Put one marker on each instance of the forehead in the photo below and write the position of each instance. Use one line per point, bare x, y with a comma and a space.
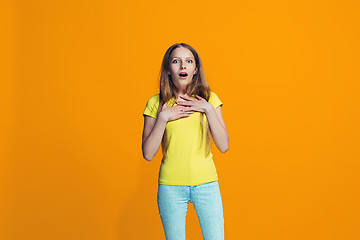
181, 52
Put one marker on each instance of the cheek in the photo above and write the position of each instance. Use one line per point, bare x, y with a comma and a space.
174, 67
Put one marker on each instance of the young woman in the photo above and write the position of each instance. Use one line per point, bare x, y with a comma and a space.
182, 118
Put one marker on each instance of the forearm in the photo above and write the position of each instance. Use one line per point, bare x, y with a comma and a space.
218, 131
152, 143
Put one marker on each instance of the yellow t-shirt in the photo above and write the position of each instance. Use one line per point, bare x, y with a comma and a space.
185, 162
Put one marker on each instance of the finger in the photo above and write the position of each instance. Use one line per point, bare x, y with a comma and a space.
185, 110
184, 114
193, 109
199, 97
188, 110
164, 105
184, 103
186, 97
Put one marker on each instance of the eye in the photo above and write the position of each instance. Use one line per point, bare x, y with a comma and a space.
174, 61
190, 60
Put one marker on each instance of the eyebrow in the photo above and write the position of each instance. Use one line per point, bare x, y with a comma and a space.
179, 57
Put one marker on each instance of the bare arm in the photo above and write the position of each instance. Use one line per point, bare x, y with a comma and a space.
152, 135
218, 128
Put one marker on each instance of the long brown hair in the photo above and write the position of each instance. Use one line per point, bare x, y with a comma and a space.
198, 86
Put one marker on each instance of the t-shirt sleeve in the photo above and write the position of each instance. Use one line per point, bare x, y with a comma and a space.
215, 100
152, 106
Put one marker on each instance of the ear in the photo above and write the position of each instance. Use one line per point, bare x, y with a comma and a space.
196, 70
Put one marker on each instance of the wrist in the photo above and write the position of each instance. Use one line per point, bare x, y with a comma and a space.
210, 108
162, 117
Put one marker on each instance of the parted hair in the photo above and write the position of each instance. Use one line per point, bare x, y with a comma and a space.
198, 86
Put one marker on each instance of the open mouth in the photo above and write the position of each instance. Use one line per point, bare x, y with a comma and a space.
183, 75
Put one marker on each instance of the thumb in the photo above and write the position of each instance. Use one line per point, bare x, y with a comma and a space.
164, 105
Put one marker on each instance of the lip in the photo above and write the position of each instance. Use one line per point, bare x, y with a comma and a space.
183, 77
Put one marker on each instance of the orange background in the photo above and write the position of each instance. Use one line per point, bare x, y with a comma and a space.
76, 76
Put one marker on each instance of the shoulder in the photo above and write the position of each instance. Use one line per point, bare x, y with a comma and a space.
213, 95
152, 106
154, 99
215, 100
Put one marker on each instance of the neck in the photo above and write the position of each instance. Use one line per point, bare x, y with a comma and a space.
181, 90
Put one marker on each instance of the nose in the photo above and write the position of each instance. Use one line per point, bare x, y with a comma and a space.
182, 65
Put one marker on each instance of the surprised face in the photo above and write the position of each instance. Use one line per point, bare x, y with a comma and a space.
182, 67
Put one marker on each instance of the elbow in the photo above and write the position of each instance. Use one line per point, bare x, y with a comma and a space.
147, 157
224, 149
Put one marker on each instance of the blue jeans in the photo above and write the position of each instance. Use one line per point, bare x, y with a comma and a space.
173, 205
